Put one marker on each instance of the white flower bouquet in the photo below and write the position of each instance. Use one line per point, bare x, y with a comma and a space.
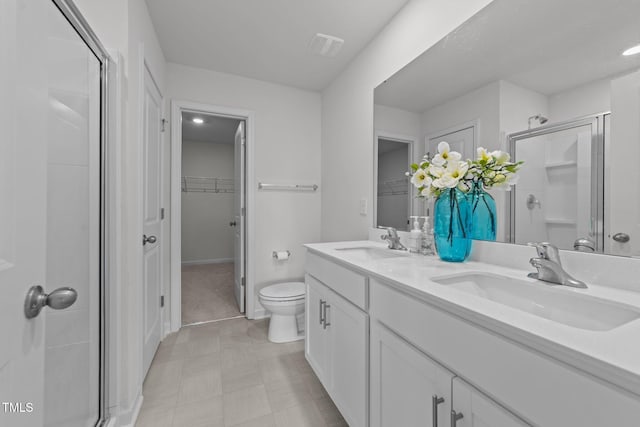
446, 170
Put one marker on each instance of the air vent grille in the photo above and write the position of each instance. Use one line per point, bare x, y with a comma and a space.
324, 45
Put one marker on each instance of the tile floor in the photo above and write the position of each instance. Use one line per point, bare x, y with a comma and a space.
207, 293
228, 374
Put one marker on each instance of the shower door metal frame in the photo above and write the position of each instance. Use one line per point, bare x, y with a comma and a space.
74, 17
597, 123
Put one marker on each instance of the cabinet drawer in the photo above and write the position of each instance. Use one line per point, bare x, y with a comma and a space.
351, 285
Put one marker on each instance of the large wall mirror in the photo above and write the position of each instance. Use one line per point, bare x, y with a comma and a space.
548, 82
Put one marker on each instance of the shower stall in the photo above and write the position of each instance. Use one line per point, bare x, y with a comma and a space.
560, 195
53, 216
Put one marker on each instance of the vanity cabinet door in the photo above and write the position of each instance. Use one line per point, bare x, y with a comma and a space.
406, 385
475, 409
315, 347
347, 328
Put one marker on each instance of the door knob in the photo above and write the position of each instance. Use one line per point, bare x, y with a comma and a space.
232, 224
150, 239
621, 237
59, 299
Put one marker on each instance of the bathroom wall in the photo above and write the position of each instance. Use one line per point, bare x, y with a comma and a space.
287, 151
517, 104
481, 104
206, 234
591, 98
347, 113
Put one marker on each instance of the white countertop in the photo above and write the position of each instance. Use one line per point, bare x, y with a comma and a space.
613, 355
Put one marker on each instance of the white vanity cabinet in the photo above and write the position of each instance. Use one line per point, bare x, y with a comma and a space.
531, 385
337, 341
472, 408
409, 389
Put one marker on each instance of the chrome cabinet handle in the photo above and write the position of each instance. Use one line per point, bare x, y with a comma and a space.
59, 299
455, 416
322, 303
325, 324
150, 239
435, 401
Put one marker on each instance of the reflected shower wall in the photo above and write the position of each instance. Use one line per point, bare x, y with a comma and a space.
559, 196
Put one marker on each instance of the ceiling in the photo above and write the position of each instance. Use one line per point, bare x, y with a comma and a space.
547, 46
268, 40
219, 130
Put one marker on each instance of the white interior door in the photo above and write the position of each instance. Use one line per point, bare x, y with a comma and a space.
49, 218
151, 239
239, 214
461, 139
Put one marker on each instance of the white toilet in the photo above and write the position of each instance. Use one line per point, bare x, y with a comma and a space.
285, 301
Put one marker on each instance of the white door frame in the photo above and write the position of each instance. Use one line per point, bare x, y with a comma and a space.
177, 108
412, 141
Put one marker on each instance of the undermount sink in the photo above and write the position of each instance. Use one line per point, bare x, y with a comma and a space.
569, 308
372, 253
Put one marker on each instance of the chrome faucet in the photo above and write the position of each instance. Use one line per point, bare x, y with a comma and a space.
392, 239
549, 266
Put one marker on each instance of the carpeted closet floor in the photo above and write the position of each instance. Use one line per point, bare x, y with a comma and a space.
207, 293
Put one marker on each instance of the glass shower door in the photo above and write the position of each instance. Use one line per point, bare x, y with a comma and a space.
50, 211
558, 198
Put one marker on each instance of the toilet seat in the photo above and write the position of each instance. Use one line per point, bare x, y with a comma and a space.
288, 291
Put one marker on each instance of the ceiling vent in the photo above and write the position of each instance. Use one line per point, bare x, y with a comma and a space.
324, 45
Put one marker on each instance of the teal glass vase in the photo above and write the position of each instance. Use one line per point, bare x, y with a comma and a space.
483, 211
452, 225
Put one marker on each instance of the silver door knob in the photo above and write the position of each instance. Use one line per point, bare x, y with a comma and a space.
150, 239
621, 237
59, 299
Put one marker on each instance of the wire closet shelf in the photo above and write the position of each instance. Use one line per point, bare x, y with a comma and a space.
393, 187
203, 184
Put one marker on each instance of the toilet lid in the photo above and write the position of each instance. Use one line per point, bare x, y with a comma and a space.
284, 290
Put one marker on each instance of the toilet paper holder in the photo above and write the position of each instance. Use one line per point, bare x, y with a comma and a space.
279, 254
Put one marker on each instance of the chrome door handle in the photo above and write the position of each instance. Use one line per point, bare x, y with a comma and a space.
621, 237
150, 239
232, 224
435, 401
455, 416
322, 303
59, 299
324, 317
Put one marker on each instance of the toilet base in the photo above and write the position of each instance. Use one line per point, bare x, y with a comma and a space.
284, 329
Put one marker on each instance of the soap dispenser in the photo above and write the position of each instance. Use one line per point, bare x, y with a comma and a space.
428, 241
415, 236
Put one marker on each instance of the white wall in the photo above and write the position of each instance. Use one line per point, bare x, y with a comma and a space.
591, 98
481, 104
125, 28
517, 104
347, 109
206, 234
287, 151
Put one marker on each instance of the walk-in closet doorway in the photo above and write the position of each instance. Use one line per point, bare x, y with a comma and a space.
209, 230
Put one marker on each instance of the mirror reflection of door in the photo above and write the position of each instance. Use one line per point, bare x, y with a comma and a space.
393, 193
460, 138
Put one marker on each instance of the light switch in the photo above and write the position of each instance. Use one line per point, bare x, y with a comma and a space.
363, 206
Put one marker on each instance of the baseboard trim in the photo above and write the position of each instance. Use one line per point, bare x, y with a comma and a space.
207, 261
260, 313
129, 417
